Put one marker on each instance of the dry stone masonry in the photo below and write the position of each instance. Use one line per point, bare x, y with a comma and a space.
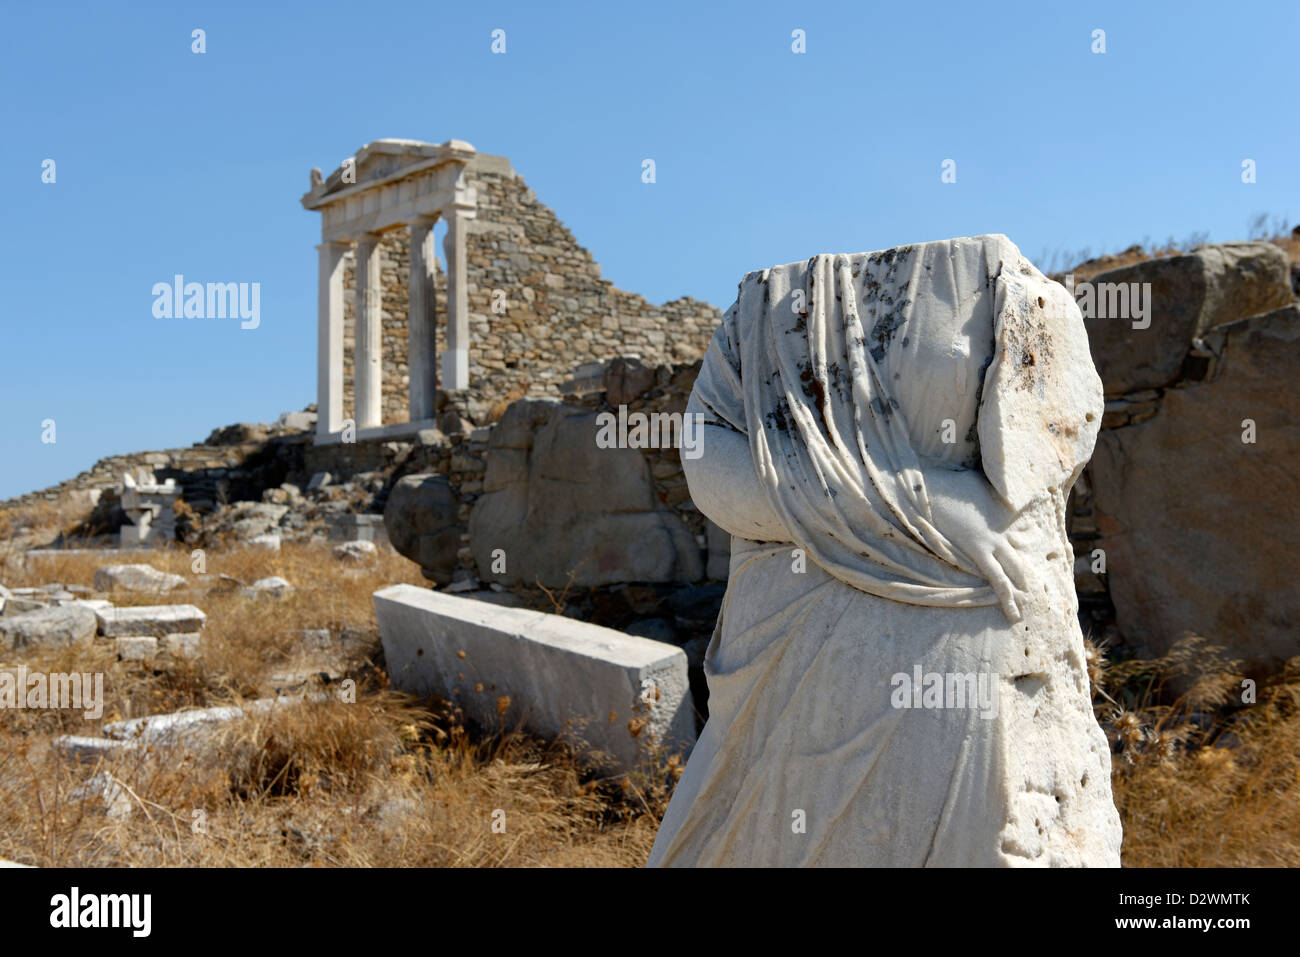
518, 304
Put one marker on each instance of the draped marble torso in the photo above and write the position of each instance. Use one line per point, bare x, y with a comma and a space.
890, 438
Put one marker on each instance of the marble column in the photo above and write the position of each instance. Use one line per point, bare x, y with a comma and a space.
422, 323
368, 357
455, 360
329, 339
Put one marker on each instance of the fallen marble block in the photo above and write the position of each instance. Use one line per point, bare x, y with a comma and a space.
188, 729
192, 728
94, 604
136, 647
143, 578
156, 620
170, 728
184, 645
85, 748
103, 790
508, 667
21, 606
58, 627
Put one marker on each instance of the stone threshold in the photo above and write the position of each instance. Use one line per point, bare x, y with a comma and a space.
396, 430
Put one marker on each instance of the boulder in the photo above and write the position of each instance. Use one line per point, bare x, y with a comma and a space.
556, 505
626, 379
143, 578
420, 518
1189, 295
1200, 527
58, 627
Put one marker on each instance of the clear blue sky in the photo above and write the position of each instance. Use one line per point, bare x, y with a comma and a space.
173, 162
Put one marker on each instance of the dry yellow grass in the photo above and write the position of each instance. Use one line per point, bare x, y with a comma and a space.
1201, 778
388, 781
384, 781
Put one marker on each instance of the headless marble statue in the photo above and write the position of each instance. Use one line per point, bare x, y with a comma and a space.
897, 677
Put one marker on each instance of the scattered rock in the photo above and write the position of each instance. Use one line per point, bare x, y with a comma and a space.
299, 680
462, 581
162, 729
393, 816
269, 543
23, 606
241, 433
626, 379
316, 640
274, 587
297, 421
247, 520
356, 552
58, 627
185, 645
105, 790
136, 647
140, 578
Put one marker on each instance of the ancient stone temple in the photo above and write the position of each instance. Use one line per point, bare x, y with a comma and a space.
514, 305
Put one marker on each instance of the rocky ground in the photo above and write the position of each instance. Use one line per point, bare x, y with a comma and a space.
291, 749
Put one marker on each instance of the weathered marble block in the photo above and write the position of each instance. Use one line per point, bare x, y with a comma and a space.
556, 676
155, 620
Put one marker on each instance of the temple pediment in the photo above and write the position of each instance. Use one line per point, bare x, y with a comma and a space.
383, 162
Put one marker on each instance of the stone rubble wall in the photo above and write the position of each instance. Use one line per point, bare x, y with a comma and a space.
209, 475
